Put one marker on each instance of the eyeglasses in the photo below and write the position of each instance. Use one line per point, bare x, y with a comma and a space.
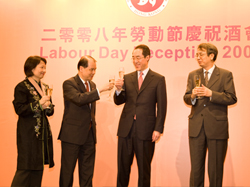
136, 58
200, 55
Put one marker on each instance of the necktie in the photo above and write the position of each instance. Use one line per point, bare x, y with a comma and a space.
206, 78
87, 86
140, 80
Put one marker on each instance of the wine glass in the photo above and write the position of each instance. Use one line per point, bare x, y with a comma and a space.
49, 91
121, 72
111, 81
197, 80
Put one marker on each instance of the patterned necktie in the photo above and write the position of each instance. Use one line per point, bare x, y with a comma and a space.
140, 80
206, 78
87, 86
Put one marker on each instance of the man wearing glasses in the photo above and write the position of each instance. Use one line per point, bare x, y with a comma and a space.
142, 120
208, 121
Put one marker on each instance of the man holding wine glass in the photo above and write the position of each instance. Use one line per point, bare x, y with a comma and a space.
142, 120
112, 78
208, 121
78, 130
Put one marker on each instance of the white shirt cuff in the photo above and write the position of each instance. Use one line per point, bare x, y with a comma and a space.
117, 92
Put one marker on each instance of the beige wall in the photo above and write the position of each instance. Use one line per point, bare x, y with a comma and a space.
22, 24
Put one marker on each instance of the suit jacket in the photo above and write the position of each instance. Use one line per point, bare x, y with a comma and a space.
32, 120
212, 112
77, 113
149, 104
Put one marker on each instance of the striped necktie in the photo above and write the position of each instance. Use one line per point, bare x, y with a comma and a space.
206, 78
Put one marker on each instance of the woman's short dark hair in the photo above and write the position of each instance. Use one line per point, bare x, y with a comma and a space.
84, 61
210, 48
145, 49
31, 63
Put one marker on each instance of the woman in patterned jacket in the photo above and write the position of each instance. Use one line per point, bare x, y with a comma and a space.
34, 139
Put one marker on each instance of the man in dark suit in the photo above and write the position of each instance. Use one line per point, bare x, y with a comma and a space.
208, 121
78, 130
142, 119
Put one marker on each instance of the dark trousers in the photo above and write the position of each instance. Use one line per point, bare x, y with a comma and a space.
217, 150
85, 154
27, 178
143, 150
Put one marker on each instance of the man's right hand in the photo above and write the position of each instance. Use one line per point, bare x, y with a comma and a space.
119, 84
107, 87
195, 92
201, 92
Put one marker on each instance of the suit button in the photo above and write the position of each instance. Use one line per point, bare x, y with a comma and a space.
205, 105
201, 114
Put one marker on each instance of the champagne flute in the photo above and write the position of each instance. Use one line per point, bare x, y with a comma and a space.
111, 81
197, 79
49, 91
121, 74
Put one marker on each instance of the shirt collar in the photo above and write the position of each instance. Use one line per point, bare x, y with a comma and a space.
145, 71
82, 80
210, 71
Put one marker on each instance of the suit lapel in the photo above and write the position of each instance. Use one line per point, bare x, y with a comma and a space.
92, 87
80, 84
30, 83
134, 78
83, 89
214, 77
146, 80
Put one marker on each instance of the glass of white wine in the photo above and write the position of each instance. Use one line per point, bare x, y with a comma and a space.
49, 91
121, 72
197, 80
111, 81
